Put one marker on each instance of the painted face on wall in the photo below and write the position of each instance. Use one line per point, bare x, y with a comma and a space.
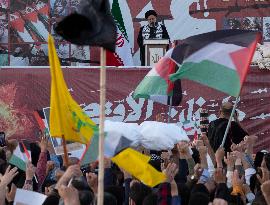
59, 7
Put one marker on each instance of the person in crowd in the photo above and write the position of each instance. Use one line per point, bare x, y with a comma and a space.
217, 129
201, 177
153, 30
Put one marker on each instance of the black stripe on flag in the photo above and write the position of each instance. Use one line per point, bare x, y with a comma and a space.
194, 43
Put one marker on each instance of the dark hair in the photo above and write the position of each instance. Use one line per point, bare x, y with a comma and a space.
81, 184
184, 190
150, 199
199, 198
258, 159
267, 160
138, 192
117, 192
149, 13
236, 199
86, 195
109, 199
259, 199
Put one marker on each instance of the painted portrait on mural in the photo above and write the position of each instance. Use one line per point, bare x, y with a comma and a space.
266, 28
3, 28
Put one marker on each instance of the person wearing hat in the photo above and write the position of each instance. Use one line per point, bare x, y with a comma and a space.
153, 30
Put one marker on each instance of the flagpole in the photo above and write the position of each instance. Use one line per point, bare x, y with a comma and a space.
229, 122
100, 197
170, 109
64, 143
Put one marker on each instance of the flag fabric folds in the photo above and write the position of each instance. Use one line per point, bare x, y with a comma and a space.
66, 116
91, 151
161, 136
122, 55
218, 59
20, 157
137, 165
157, 86
120, 139
92, 24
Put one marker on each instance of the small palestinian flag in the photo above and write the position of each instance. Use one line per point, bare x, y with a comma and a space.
91, 151
218, 59
21, 156
157, 86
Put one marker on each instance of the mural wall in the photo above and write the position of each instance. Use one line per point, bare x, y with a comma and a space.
22, 91
25, 25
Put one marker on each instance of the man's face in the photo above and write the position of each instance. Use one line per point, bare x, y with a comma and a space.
151, 19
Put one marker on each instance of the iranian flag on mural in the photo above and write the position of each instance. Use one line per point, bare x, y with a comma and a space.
122, 55
218, 59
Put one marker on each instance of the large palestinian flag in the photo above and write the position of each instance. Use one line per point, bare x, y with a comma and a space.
157, 86
218, 59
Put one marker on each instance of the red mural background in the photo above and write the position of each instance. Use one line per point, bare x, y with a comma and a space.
23, 91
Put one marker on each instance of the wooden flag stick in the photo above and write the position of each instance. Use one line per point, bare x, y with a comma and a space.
100, 197
65, 151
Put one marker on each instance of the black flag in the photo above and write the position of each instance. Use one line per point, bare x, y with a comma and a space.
91, 25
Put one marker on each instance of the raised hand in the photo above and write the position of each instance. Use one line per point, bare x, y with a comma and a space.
11, 194
219, 176
220, 153
8, 176
236, 180
70, 195
183, 148
250, 140
30, 171
202, 150
170, 171
72, 171
230, 160
43, 143
265, 175
266, 191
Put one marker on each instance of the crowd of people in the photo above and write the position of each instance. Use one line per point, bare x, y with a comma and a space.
195, 174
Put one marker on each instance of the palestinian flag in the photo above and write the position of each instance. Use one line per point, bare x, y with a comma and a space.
157, 86
20, 156
91, 151
122, 55
218, 59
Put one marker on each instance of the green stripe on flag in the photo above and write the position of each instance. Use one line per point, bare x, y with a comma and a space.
151, 85
18, 162
117, 15
91, 154
212, 74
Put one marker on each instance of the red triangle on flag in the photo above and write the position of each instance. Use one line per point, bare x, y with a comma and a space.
242, 59
44, 10
31, 15
165, 67
17, 24
112, 59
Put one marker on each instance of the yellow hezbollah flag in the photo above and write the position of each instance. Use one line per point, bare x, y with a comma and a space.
66, 116
139, 168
